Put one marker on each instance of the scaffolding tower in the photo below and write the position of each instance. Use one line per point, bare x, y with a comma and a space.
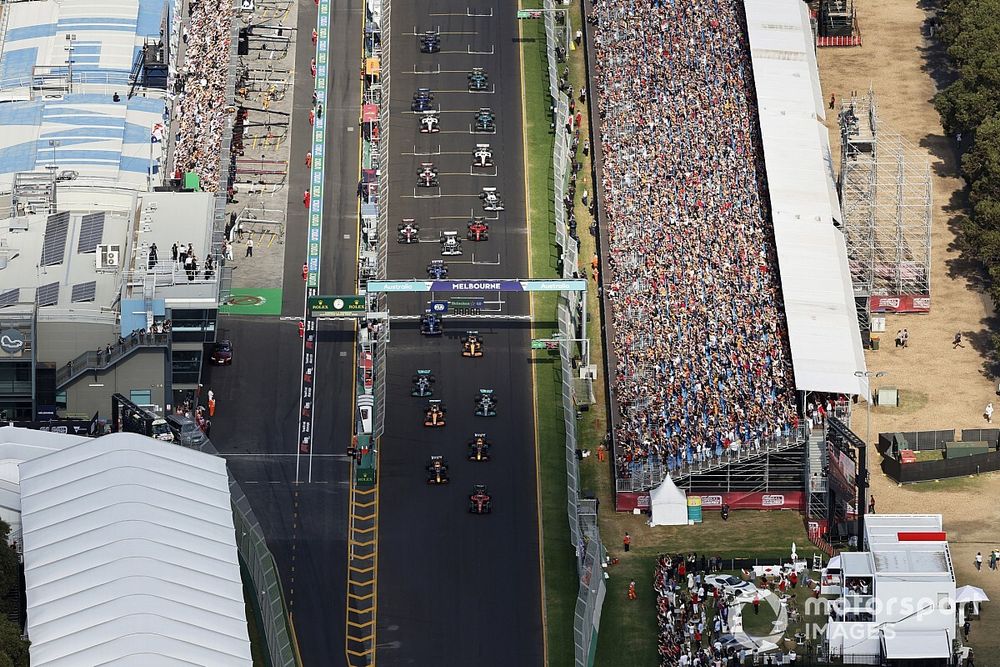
886, 196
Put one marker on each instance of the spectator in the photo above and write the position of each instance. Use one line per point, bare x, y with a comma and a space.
699, 333
200, 111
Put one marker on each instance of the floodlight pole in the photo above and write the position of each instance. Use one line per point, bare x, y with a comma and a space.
862, 477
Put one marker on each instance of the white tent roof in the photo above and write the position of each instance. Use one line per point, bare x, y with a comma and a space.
812, 253
130, 555
915, 645
668, 505
971, 594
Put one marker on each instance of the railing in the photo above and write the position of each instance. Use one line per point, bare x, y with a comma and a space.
100, 360
581, 513
650, 472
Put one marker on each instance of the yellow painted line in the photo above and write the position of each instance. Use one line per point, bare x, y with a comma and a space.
363, 492
295, 641
365, 530
362, 570
366, 596
370, 503
359, 654
363, 544
360, 625
534, 379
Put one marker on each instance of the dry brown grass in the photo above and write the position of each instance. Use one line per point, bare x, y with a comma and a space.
946, 388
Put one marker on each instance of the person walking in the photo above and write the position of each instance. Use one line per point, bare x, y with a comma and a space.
631, 590
899, 338
905, 337
871, 504
626, 542
756, 604
989, 413
211, 403
833, 100
249, 248
306, 198
309, 160
979, 561
957, 342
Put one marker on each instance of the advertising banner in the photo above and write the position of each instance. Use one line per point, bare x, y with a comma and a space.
902, 303
737, 500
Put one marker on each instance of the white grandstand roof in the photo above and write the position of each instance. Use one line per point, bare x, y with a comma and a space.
130, 556
812, 253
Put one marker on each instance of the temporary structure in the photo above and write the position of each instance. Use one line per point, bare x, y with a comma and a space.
668, 505
972, 594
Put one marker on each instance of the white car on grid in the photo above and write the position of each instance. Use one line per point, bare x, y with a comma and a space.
731, 586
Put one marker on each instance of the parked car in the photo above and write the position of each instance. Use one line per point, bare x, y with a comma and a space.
186, 431
731, 585
222, 353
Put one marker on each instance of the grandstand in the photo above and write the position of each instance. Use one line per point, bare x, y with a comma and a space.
812, 310
62, 64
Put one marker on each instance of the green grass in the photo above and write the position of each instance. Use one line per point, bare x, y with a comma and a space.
628, 628
253, 301
560, 578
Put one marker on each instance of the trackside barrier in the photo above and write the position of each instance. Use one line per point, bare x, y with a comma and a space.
581, 513
263, 572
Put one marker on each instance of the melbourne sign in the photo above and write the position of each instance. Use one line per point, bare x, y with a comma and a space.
497, 285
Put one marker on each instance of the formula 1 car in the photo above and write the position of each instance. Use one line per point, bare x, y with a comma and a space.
450, 244
479, 448
491, 199
422, 100
423, 383
408, 232
472, 345
437, 470
486, 403
430, 325
427, 177
479, 230
430, 41
482, 157
434, 414
485, 121
429, 122
437, 269
480, 501
478, 80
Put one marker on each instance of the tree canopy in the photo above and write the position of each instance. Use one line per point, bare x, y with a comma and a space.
970, 31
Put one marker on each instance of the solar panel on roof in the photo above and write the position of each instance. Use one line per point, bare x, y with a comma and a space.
84, 292
91, 232
47, 295
10, 297
54, 247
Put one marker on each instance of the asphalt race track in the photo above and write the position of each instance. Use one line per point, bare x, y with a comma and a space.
256, 425
456, 588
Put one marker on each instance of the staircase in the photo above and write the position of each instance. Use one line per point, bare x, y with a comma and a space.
816, 482
100, 361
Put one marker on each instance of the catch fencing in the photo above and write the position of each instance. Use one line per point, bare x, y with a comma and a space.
582, 513
269, 599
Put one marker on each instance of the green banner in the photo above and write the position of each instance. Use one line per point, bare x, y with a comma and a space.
338, 304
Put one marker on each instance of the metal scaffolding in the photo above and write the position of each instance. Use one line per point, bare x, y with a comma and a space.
885, 195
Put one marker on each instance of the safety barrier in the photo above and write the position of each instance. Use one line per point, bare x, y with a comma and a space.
581, 513
269, 601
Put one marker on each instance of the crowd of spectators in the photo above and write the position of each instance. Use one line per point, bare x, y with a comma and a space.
689, 635
200, 110
703, 362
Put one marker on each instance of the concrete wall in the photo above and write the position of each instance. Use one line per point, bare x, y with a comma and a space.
143, 370
59, 342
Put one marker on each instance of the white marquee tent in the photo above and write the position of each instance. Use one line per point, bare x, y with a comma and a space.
668, 505
130, 556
